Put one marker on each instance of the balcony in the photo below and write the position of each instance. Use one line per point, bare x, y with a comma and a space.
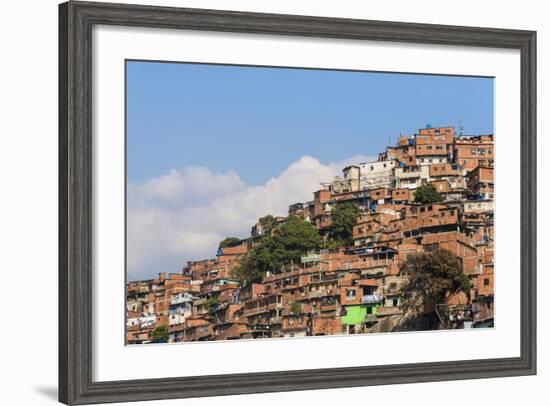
228, 333
328, 307
275, 320
372, 299
255, 310
315, 294
375, 271
181, 300
374, 263
388, 311
371, 318
262, 309
408, 175
202, 333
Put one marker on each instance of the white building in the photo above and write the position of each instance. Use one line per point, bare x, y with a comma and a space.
411, 177
350, 183
376, 174
482, 206
180, 307
432, 159
147, 321
178, 318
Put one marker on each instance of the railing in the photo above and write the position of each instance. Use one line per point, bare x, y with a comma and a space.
388, 311
408, 175
232, 331
371, 318
180, 300
314, 294
372, 299
255, 310
262, 309
373, 263
328, 307
204, 331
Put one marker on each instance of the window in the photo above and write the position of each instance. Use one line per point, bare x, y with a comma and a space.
486, 282
369, 310
431, 247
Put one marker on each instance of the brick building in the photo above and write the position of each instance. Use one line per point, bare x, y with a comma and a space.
348, 289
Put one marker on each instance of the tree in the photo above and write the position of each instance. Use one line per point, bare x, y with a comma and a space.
295, 307
160, 334
267, 223
247, 271
427, 194
286, 244
211, 304
433, 276
230, 242
344, 217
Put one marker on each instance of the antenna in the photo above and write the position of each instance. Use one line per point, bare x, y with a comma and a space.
460, 127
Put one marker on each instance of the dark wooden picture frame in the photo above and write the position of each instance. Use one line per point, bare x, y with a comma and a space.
76, 20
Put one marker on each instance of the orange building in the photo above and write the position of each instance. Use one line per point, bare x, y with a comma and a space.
470, 152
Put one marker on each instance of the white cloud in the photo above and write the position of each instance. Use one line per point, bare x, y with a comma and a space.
194, 185
183, 215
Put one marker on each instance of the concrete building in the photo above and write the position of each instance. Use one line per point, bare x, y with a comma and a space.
411, 177
377, 174
350, 182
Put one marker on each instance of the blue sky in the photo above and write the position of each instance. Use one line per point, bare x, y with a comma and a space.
256, 121
210, 149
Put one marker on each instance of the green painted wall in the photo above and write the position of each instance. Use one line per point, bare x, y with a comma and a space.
355, 314
374, 309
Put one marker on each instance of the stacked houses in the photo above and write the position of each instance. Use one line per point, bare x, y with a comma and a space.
351, 289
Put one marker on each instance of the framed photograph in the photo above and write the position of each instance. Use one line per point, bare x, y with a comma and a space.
259, 202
